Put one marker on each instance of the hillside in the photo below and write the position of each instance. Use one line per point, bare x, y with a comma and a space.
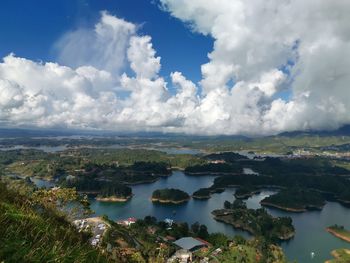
30, 234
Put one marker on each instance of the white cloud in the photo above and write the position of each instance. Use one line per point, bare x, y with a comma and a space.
260, 49
142, 57
103, 47
253, 40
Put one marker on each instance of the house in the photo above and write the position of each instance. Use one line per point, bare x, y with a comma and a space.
181, 256
168, 221
127, 222
191, 244
217, 161
131, 220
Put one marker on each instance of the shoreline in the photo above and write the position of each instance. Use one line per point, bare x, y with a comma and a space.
167, 201
201, 197
113, 199
141, 182
336, 254
247, 228
208, 173
338, 235
247, 195
290, 209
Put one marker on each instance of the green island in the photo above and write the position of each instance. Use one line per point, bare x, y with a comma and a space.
340, 232
203, 193
255, 221
213, 168
314, 174
170, 195
114, 193
295, 200
246, 191
227, 157
341, 255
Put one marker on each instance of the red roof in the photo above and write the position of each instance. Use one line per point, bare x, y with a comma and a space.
203, 241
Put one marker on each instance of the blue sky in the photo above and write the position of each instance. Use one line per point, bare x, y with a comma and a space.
30, 28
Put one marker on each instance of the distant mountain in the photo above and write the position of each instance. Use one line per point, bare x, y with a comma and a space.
343, 131
28, 132
33, 132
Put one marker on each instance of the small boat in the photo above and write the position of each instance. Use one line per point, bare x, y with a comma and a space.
312, 254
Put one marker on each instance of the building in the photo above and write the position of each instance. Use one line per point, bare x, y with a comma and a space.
191, 244
168, 221
217, 161
127, 222
181, 256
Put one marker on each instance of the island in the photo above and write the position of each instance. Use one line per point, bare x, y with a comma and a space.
246, 191
255, 221
114, 193
340, 232
315, 174
295, 200
214, 168
170, 195
202, 193
229, 157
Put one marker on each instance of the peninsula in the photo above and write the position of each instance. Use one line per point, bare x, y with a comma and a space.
203, 193
255, 221
295, 200
340, 232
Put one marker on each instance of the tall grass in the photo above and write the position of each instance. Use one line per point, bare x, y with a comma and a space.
28, 234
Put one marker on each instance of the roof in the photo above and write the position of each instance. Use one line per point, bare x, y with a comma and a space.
203, 241
188, 243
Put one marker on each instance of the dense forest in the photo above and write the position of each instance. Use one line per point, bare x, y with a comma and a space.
296, 199
256, 221
216, 168
170, 195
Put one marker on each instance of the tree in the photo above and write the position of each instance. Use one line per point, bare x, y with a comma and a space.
195, 227
239, 204
218, 239
227, 205
203, 232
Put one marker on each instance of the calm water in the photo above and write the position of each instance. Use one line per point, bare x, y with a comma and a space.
310, 234
175, 150
60, 148
47, 149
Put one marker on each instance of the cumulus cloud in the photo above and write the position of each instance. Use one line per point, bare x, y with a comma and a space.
91, 96
269, 46
102, 47
260, 49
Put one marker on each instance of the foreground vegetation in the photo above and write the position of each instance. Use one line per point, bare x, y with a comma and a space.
33, 232
38, 229
341, 255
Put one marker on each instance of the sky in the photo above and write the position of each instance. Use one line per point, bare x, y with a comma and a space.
197, 66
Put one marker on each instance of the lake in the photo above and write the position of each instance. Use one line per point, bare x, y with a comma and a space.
310, 226
61, 148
